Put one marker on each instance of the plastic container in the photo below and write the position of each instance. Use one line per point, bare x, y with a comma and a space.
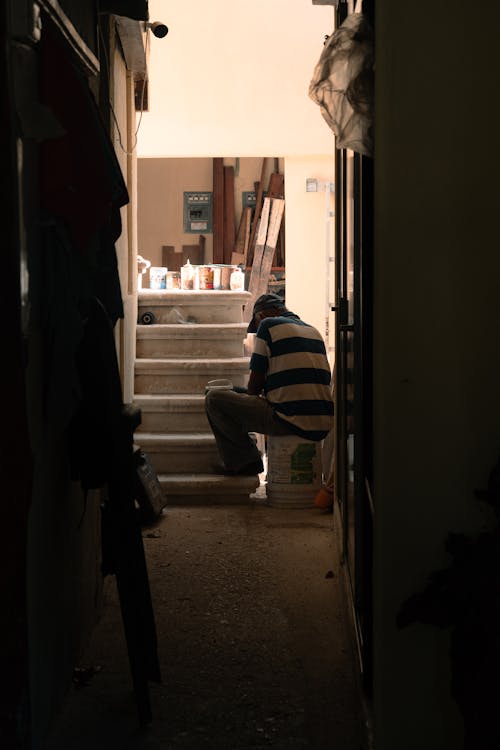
219, 385
293, 471
237, 281
189, 276
158, 277
217, 270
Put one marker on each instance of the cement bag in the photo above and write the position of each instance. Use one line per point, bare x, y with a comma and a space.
343, 84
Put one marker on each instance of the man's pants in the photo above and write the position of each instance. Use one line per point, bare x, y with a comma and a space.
232, 416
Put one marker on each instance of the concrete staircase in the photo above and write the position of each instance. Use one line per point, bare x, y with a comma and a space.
196, 336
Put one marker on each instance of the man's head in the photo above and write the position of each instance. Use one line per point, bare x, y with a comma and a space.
267, 305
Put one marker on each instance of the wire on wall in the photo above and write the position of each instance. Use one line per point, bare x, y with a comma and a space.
143, 89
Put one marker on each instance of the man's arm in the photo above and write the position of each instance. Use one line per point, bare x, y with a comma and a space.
256, 382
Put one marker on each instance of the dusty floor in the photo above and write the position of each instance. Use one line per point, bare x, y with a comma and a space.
253, 640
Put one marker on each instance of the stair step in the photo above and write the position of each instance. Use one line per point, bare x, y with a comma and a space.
207, 489
155, 375
193, 340
172, 413
214, 306
194, 453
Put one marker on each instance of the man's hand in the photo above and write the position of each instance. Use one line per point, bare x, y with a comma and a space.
256, 383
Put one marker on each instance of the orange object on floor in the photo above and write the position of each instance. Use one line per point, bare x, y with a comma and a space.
324, 498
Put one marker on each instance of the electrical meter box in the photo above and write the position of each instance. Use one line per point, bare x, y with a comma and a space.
249, 198
197, 212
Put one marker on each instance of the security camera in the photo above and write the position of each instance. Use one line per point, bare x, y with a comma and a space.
158, 28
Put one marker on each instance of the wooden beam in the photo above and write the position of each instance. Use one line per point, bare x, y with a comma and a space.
218, 210
256, 216
254, 282
229, 228
276, 189
241, 245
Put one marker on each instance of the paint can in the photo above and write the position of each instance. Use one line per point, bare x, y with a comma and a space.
225, 276
205, 277
293, 471
173, 280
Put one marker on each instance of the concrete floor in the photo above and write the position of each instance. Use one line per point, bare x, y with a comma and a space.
253, 637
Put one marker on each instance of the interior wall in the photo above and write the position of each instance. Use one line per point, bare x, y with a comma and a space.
126, 246
233, 78
64, 580
161, 185
309, 240
437, 358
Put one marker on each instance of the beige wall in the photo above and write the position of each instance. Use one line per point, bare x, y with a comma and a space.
233, 78
161, 186
309, 235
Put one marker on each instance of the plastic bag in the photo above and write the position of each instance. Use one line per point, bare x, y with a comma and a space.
343, 84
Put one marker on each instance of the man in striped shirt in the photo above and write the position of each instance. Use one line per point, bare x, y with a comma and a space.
288, 389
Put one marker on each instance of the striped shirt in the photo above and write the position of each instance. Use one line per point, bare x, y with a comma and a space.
292, 356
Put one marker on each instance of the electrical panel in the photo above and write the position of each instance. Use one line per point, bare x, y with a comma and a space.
197, 212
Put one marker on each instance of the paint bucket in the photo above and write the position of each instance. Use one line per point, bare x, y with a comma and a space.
293, 471
173, 280
225, 276
205, 277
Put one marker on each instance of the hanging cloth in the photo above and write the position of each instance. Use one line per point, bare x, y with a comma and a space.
343, 84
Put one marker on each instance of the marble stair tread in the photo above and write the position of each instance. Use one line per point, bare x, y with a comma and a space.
161, 364
192, 296
172, 412
178, 402
207, 489
191, 330
190, 340
180, 452
184, 376
188, 439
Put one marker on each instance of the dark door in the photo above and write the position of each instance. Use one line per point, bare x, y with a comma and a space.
353, 390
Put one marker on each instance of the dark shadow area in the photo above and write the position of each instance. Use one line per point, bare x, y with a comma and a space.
253, 640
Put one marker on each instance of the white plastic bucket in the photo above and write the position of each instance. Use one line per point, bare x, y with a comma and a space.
293, 471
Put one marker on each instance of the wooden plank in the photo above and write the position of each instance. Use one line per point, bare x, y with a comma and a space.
202, 243
218, 210
256, 216
173, 261
170, 259
261, 235
247, 233
237, 259
193, 253
229, 221
243, 236
276, 187
271, 218
277, 210
277, 190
